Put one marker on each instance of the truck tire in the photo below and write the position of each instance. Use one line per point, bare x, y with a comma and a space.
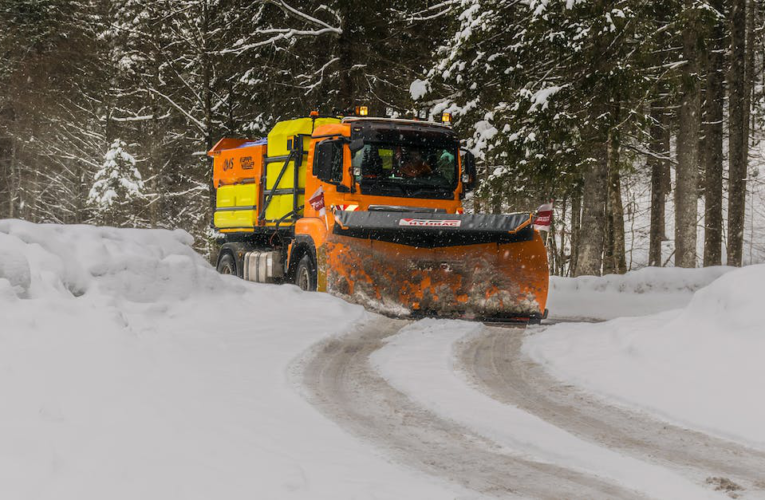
305, 274
227, 264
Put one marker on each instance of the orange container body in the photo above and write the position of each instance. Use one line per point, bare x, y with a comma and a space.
237, 161
237, 179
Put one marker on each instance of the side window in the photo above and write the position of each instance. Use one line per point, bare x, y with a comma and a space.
328, 161
337, 162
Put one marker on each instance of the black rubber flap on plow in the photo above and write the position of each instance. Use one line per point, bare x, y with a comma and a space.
431, 230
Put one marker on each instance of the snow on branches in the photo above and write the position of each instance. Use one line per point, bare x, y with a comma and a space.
117, 183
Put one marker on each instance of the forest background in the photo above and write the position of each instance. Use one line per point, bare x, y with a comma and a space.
642, 120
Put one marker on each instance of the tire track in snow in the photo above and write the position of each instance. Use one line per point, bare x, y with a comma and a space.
338, 379
494, 362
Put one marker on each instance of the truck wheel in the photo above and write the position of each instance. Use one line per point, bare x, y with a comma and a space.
227, 265
305, 274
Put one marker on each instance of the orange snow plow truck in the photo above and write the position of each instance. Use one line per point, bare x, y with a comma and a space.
369, 209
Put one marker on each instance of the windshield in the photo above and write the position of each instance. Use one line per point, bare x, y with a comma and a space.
420, 170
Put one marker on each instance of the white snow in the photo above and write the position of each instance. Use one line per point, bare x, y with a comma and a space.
130, 369
419, 361
14, 271
484, 133
539, 100
117, 178
419, 88
638, 293
701, 367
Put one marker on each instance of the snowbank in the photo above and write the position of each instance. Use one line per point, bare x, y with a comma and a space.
130, 369
701, 366
135, 264
638, 293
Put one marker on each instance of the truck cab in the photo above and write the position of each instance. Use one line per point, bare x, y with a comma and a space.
367, 162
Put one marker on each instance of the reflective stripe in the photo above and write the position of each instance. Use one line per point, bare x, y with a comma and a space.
347, 208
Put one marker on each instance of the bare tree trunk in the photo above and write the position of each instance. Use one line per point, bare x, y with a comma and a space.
666, 177
496, 203
593, 223
737, 127
477, 205
81, 195
479, 202
552, 250
562, 251
658, 187
230, 100
686, 190
153, 161
608, 240
207, 102
13, 184
206, 78
713, 147
749, 69
610, 246
576, 220
615, 214
155, 133
591, 239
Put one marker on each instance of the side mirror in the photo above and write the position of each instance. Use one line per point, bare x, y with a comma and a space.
469, 172
328, 161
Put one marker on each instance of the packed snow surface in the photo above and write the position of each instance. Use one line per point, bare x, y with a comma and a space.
701, 366
419, 361
638, 293
131, 369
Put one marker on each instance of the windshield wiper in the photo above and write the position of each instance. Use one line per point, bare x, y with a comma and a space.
426, 190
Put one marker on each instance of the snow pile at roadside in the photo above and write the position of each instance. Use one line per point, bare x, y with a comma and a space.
701, 366
130, 369
420, 362
38, 261
646, 291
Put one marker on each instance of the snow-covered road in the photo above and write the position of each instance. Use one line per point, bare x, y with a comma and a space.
342, 383
495, 364
130, 369
462, 402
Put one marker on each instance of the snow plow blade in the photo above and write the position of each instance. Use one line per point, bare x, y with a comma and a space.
482, 267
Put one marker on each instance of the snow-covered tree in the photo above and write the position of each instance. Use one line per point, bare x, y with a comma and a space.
117, 186
555, 97
558, 98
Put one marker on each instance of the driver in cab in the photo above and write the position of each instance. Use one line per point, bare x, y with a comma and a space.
414, 165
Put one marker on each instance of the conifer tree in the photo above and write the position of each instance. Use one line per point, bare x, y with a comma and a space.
117, 187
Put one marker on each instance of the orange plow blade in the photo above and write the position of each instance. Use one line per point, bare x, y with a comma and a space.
485, 267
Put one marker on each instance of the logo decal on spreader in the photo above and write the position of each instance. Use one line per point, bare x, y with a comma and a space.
429, 222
